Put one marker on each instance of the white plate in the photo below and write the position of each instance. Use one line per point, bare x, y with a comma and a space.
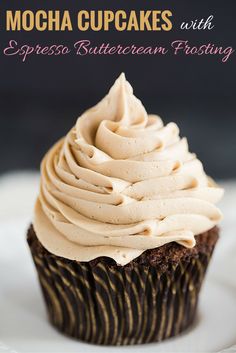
23, 322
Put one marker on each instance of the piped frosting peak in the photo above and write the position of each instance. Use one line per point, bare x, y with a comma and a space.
120, 183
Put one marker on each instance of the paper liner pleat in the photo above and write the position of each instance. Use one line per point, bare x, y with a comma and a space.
115, 305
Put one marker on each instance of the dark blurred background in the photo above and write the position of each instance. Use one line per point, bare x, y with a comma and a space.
41, 98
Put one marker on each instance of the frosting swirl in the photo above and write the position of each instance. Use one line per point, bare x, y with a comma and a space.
120, 183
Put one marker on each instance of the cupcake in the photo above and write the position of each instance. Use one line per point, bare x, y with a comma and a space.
124, 227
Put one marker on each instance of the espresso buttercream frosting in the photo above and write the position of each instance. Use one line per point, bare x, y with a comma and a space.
120, 183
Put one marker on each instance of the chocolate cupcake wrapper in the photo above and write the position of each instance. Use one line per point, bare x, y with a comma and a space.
115, 305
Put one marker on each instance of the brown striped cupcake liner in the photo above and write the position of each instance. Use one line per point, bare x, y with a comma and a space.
103, 303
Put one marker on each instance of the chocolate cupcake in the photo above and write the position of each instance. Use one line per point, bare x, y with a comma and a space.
124, 226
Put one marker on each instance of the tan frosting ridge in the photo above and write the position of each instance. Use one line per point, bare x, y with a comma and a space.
120, 183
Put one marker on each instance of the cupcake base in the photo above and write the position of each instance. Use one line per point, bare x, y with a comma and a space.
148, 300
